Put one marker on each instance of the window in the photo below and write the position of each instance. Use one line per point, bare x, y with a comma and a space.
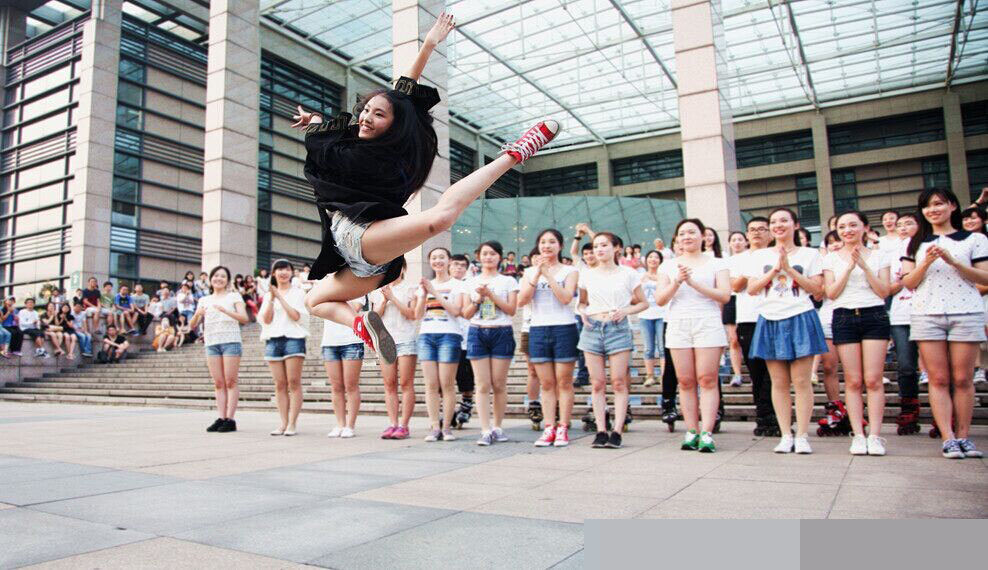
561, 180
297, 85
936, 173
124, 214
461, 160
974, 116
123, 264
126, 164
130, 93
808, 203
129, 117
264, 159
977, 172
845, 190
886, 132
507, 186
647, 167
124, 189
130, 69
773, 149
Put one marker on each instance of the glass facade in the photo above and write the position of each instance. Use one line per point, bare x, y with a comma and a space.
845, 190
561, 180
912, 128
507, 186
975, 118
516, 222
773, 149
642, 168
977, 172
461, 160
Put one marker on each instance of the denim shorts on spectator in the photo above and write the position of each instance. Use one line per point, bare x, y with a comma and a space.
491, 342
852, 326
224, 349
353, 351
282, 347
966, 327
606, 337
439, 347
552, 343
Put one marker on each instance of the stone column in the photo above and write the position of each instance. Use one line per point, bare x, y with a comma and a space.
13, 24
411, 20
229, 193
956, 156
709, 167
821, 162
92, 188
604, 172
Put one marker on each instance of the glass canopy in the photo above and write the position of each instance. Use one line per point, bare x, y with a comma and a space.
607, 67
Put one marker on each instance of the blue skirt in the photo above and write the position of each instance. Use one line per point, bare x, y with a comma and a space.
788, 339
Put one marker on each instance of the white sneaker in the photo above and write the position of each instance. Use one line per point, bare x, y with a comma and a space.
859, 445
785, 444
979, 376
336, 432
803, 445
448, 435
924, 378
736, 380
347, 432
886, 380
876, 445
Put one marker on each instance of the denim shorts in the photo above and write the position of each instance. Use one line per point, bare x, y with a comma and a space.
606, 337
439, 347
788, 339
282, 347
552, 343
406, 348
854, 325
224, 349
347, 236
967, 327
491, 342
353, 351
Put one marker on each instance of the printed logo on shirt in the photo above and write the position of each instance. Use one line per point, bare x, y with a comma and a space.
781, 285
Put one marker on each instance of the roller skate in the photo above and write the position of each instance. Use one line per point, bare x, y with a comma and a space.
463, 411
720, 416
669, 415
590, 423
908, 419
935, 430
535, 414
628, 418
835, 422
771, 427
762, 426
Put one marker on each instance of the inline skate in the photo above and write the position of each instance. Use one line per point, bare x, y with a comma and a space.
767, 426
908, 419
669, 414
463, 412
835, 422
590, 423
535, 414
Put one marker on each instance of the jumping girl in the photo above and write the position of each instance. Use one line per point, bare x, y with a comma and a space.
284, 328
224, 311
651, 321
695, 287
788, 333
395, 302
363, 174
550, 287
857, 280
943, 266
490, 300
439, 302
609, 293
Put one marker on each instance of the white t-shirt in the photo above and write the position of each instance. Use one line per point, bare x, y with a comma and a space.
335, 334
890, 243
402, 330
436, 319
902, 302
943, 291
747, 305
186, 301
857, 294
487, 313
688, 302
608, 290
220, 328
263, 285
783, 298
281, 324
654, 310
546, 308
826, 312
28, 319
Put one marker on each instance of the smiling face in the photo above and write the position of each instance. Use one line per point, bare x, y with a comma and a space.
937, 210
782, 226
283, 275
888, 221
549, 246
375, 118
458, 268
906, 227
689, 237
439, 261
653, 261
219, 280
851, 229
708, 238
972, 222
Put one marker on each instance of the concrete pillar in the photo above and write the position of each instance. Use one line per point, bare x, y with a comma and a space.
604, 172
821, 162
229, 193
410, 21
709, 166
956, 155
92, 188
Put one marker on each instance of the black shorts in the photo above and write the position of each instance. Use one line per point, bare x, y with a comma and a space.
33, 333
729, 314
464, 374
854, 325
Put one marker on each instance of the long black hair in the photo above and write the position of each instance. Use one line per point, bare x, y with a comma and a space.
411, 137
976, 211
925, 227
718, 251
557, 235
796, 238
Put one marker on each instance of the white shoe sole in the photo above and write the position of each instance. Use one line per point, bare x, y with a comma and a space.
383, 343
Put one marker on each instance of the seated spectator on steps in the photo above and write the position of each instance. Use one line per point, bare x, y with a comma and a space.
52, 328
82, 331
155, 308
90, 302
186, 301
30, 324
106, 300
123, 309
164, 335
169, 306
114, 346
142, 316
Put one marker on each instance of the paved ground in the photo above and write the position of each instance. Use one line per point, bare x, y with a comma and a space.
109, 487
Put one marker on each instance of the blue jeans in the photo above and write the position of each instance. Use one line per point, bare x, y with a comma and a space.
353, 351
907, 353
85, 342
439, 347
491, 342
552, 343
4, 336
652, 333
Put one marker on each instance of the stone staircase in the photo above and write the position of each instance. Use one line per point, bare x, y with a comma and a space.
180, 379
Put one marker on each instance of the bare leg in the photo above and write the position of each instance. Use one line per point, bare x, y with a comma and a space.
873, 359
735, 347
619, 382
231, 371
482, 378
215, 366
430, 369
850, 357
935, 353
351, 381
293, 373
778, 370
564, 390
799, 375
334, 370
406, 371
327, 299
682, 359
280, 390
831, 383
499, 383
707, 362
598, 387
389, 376
547, 382
963, 355
447, 383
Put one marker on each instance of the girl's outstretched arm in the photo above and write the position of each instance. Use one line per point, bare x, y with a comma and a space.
438, 33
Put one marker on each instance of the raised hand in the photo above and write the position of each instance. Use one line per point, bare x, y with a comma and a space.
303, 118
443, 26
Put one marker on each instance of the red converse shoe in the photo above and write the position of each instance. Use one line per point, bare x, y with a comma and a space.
533, 139
370, 328
562, 436
548, 437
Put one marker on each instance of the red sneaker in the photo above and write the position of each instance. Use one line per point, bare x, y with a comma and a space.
548, 437
562, 436
370, 328
534, 139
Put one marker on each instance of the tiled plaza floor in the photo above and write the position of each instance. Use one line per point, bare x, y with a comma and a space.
115, 487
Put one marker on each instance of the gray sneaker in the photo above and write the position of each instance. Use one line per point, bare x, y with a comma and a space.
499, 435
952, 449
486, 438
967, 446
